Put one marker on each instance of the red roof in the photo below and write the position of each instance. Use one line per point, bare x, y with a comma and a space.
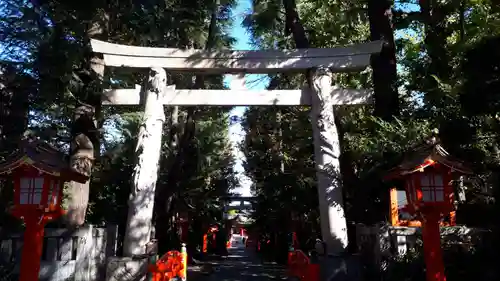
426, 155
43, 157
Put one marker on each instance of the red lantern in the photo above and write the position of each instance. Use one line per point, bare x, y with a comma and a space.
429, 192
35, 190
430, 188
38, 171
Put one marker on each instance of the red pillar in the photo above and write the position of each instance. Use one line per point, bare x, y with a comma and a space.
432, 249
32, 249
205, 243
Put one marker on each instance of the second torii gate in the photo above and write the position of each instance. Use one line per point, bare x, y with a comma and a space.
320, 94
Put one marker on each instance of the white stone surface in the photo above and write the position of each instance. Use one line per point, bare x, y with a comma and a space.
148, 150
326, 155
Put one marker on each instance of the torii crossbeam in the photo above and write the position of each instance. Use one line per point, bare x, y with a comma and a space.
341, 59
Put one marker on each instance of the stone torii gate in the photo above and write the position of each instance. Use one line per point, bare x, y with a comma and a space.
321, 94
242, 200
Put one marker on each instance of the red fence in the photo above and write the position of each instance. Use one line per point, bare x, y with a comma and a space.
169, 266
300, 266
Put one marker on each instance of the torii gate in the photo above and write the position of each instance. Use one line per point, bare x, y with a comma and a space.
242, 200
320, 94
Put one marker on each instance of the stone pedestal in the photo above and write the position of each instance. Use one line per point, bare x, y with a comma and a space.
126, 269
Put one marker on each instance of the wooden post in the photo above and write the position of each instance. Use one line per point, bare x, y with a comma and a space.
32, 248
432, 248
148, 149
205, 243
326, 155
394, 207
184, 261
453, 218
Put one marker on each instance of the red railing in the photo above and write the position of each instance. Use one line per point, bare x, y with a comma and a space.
168, 266
300, 266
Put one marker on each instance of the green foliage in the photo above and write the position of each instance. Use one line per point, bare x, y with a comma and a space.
463, 260
447, 79
482, 77
45, 45
385, 141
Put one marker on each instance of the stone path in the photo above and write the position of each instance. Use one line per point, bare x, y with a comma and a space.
240, 265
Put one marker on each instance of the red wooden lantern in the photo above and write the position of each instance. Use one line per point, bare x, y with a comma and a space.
430, 187
428, 172
35, 190
39, 172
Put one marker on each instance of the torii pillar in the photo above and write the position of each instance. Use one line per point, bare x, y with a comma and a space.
334, 264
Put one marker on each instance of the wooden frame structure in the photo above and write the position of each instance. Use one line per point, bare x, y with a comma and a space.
320, 93
240, 97
341, 59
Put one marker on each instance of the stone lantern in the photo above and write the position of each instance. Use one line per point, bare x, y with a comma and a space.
38, 171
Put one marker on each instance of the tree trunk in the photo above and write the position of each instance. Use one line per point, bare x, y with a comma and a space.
495, 170
85, 145
294, 26
434, 15
85, 139
384, 64
183, 143
148, 149
164, 195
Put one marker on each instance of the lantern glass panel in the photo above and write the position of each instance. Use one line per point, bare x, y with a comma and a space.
410, 186
31, 191
427, 195
425, 180
439, 193
432, 188
439, 188
54, 192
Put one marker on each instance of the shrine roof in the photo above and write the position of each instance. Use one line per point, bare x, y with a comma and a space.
425, 155
43, 157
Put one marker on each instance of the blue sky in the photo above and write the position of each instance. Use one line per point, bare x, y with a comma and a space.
235, 131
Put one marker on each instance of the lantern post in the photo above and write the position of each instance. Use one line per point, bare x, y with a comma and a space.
38, 171
184, 226
295, 223
428, 172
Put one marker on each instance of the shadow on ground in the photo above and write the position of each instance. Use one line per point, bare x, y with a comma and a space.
240, 265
